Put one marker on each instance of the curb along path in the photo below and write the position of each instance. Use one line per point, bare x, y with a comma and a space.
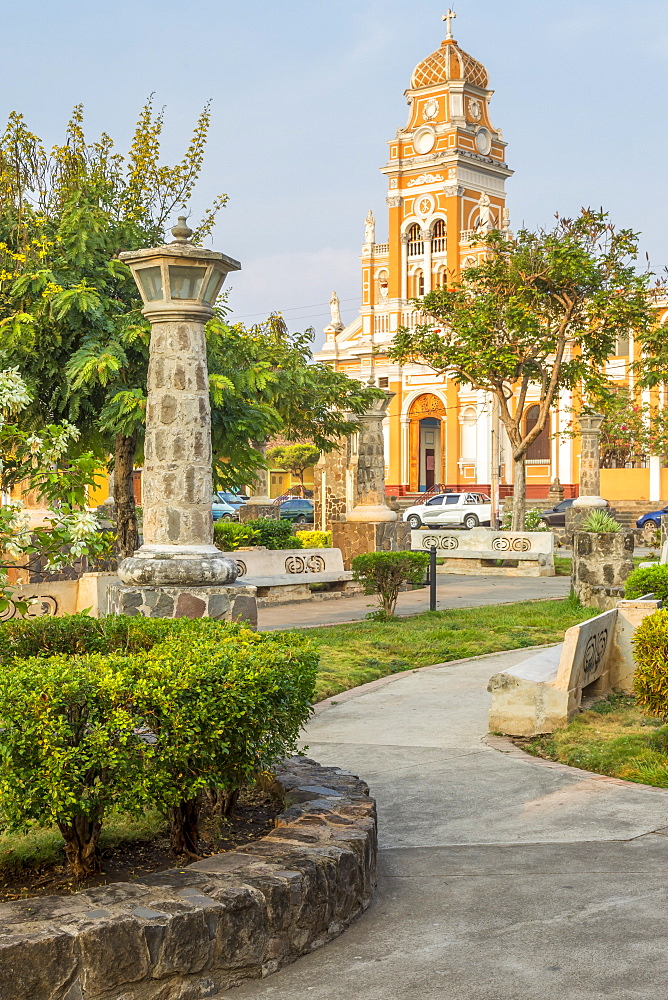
500, 878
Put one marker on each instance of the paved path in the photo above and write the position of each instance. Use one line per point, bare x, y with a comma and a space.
499, 878
452, 592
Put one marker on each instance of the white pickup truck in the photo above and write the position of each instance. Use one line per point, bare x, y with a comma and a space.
448, 509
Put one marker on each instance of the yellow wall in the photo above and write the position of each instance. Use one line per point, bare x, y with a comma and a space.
99, 493
627, 484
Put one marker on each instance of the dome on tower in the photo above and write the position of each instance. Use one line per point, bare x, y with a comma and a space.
449, 63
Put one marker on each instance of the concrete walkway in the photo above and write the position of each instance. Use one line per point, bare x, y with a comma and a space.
499, 878
452, 592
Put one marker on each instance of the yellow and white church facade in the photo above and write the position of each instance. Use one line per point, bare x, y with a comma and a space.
446, 187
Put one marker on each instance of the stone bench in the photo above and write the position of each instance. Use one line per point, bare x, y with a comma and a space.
480, 550
546, 691
288, 574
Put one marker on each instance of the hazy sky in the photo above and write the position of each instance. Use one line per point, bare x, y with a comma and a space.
306, 93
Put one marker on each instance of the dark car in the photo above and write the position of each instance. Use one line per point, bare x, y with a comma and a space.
297, 510
556, 516
651, 522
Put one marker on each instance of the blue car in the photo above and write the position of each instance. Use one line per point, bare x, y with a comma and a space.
652, 521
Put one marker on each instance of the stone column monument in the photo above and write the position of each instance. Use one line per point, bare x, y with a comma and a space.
178, 571
590, 462
370, 525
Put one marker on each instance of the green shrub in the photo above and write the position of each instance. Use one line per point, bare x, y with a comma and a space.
158, 712
532, 520
275, 534
650, 651
600, 522
648, 580
315, 539
384, 573
230, 536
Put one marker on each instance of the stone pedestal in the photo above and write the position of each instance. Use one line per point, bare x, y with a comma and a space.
601, 565
230, 604
250, 511
358, 538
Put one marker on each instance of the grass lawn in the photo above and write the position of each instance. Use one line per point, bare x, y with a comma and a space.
355, 654
615, 738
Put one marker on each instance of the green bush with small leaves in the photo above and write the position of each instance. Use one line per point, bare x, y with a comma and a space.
385, 573
274, 534
126, 712
532, 520
650, 651
647, 580
229, 536
315, 539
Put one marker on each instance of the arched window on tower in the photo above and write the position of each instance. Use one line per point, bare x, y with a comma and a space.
539, 451
415, 244
438, 244
418, 284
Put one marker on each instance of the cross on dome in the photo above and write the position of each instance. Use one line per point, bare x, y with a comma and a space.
449, 17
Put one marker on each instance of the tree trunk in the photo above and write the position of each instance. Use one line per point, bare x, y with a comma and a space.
519, 493
82, 836
124, 497
184, 827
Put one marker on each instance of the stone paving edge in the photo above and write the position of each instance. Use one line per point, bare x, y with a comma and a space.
196, 931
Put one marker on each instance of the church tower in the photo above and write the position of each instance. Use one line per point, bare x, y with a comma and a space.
446, 177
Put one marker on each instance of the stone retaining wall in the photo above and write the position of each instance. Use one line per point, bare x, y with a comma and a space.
196, 931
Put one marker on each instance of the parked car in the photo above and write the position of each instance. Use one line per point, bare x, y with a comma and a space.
297, 510
233, 498
446, 510
651, 522
555, 517
222, 510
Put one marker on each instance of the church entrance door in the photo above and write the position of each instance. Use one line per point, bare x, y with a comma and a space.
427, 442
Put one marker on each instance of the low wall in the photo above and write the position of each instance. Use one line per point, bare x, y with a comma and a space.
479, 551
260, 567
63, 597
197, 931
545, 692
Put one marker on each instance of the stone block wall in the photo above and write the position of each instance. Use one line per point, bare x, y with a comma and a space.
358, 538
234, 603
199, 930
601, 566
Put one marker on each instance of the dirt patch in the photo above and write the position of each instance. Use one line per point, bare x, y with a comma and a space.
254, 818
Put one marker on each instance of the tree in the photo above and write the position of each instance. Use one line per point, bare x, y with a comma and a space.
43, 464
539, 314
294, 458
69, 308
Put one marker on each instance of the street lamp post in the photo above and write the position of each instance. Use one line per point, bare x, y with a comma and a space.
179, 283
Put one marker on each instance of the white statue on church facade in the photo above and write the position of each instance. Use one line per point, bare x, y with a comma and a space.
370, 228
486, 219
335, 306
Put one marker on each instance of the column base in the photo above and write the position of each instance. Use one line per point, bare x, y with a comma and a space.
234, 603
177, 565
356, 539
